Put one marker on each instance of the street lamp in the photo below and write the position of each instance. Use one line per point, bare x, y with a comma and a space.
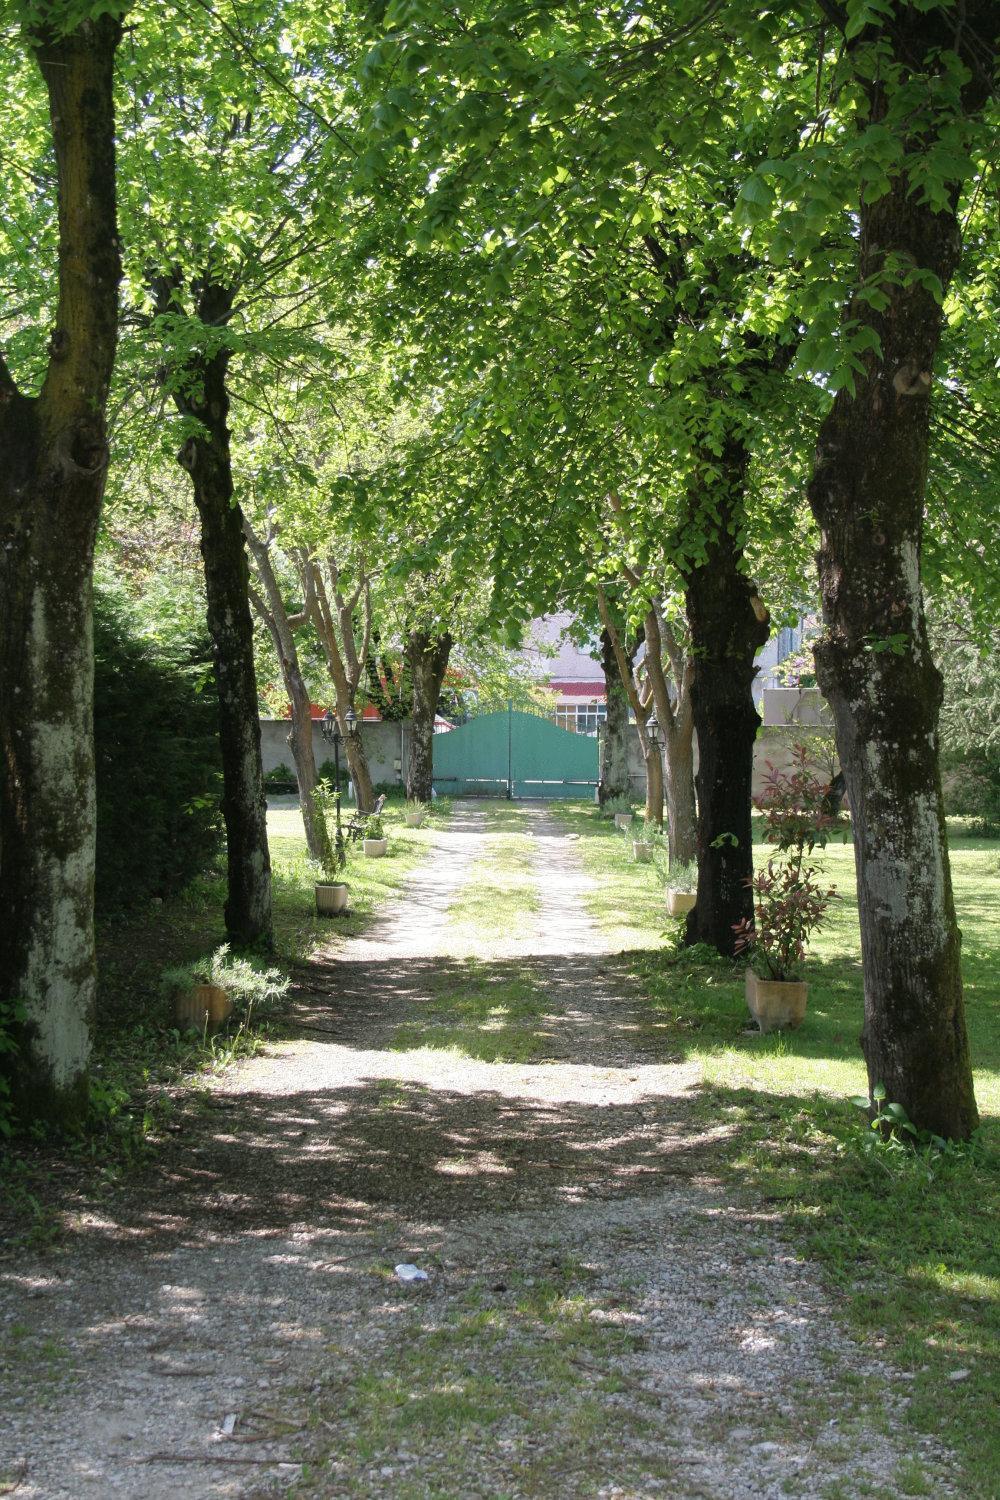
653, 730
330, 730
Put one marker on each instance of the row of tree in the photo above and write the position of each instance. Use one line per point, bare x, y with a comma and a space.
487, 310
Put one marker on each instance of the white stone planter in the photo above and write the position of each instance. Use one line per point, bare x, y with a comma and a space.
679, 903
623, 820
642, 853
776, 1004
375, 848
332, 897
414, 820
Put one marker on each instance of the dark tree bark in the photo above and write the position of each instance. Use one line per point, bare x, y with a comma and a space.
205, 455
613, 775
281, 625
427, 656
873, 662
52, 480
728, 625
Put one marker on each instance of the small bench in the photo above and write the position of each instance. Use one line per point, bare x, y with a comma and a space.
356, 827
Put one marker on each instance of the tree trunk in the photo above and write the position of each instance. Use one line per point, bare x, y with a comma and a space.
676, 719
875, 668
51, 486
271, 609
357, 760
300, 743
614, 779
206, 457
427, 657
728, 625
332, 613
682, 812
652, 759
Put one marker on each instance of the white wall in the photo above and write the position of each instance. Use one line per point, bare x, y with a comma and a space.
382, 742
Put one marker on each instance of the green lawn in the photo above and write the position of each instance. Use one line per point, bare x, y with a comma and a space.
912, 1242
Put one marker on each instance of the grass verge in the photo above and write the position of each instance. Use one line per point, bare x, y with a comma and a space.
500, 892
480, 1013
909, 1240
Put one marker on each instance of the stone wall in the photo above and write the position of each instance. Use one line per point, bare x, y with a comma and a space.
385, 745
774, 744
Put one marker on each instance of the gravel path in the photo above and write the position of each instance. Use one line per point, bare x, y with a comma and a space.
239, 1313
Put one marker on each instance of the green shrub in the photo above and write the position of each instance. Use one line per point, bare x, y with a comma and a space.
12, 1016
280, 776
972, 788
247, 982
158, 772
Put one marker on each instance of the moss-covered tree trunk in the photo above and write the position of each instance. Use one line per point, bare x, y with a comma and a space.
874, 663
427, 654
52, 480
206, 458
728, 626
613, 776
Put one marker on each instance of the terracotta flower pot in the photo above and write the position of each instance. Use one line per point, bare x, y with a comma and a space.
679, 903
331, 897
204, 1007
642, 853
776, 1003
623, 820
375, 848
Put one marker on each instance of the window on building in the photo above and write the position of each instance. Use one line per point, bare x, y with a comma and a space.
580, 718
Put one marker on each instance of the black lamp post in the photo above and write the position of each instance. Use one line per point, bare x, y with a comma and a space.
330, 730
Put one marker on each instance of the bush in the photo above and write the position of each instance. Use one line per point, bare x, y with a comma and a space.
159, 779
972, 788
327, 771
280, 776
247, 982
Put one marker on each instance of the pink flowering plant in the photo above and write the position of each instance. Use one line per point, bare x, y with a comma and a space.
789, 903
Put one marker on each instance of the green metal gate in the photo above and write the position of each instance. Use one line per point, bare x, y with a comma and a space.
514, 754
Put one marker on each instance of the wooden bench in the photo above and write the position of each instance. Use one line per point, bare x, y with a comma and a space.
356, 827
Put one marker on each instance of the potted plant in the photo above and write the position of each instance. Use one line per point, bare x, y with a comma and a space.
415, 813
375, 842
619, 808
332, 893
788, 902
645, 842
206, 992
682, 883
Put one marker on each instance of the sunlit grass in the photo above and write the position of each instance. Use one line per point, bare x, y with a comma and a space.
480, 1014
911, 1242
499, 896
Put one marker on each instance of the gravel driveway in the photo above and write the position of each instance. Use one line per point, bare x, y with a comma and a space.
599, 1318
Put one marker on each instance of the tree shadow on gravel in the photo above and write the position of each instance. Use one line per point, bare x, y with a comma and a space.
350, 1158
584, 1008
